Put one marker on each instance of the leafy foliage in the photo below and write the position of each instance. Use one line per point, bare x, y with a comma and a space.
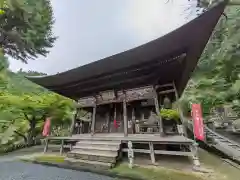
216, 80
26, 28
24, 106
169, 114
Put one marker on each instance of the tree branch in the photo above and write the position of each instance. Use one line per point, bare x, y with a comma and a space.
22, 135
26, 116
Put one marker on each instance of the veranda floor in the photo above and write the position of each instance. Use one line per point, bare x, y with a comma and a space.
134, 137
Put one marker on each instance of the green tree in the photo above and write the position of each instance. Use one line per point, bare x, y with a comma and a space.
33, 110
26, 28
210, 3
216, 79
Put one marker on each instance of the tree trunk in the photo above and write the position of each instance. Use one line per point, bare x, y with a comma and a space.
31, 131
22, 135
73, 123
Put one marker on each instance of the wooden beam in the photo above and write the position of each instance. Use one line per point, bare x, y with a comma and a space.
102, 87
166, 91
125, 116
174, 153
164, 85
146, 151
93, 120
164, 152
130, 72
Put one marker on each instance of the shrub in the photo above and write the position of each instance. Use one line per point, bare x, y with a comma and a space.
169, 114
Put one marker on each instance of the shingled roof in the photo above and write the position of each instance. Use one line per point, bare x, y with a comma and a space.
171, 58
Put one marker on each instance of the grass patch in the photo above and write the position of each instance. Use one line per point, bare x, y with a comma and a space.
136, 173
49, 158
154, 173
222, 170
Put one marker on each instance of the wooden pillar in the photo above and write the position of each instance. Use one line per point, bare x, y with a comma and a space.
81, 127
152, 154
114, 118
115, 112
46, 145
185, 124
158, 112
133, 120
125, 123
133, 115
62, 146
142, 115
93, 120
108, 121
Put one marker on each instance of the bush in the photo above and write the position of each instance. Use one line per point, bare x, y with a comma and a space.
14, 147
169, 114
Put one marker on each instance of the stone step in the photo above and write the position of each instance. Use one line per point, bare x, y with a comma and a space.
89, 156
96, 147
234, 145
90, 151
224, 141
89, 164
96, 142
95, 152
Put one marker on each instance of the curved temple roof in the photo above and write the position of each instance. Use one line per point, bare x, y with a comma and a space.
171, 58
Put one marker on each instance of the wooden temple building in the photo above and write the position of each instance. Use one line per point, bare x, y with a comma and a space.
122, 95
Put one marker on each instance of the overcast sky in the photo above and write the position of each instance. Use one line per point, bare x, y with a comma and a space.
89, 30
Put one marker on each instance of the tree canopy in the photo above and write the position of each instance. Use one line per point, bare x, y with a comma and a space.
216, 80
25, 106
26, 28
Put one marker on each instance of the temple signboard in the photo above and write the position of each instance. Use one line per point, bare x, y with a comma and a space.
87, 101
105, 96
139, 93
110, 96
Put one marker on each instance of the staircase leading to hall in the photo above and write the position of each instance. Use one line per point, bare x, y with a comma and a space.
223, 144
95, 153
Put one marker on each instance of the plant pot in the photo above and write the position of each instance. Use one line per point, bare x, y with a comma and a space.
169, 125
169, 122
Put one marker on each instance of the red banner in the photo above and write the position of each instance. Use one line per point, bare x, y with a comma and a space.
46, 127
198, 126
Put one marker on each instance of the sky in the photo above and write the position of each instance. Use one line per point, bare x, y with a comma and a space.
89, 30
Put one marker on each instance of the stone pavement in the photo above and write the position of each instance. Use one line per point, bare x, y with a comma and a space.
15, 170
12, 169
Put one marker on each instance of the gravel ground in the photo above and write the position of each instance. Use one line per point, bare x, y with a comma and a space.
26, 171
